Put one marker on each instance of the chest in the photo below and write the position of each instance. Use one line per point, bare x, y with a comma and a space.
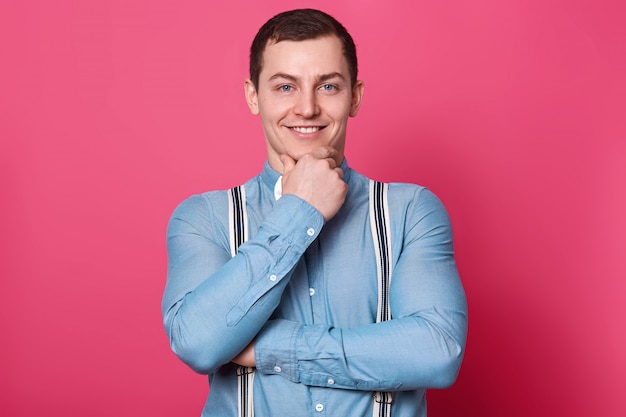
335, 282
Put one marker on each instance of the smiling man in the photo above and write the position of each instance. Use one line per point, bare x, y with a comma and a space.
311, 289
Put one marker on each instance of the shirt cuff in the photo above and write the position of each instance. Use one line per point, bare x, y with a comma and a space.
275, 349
296, 220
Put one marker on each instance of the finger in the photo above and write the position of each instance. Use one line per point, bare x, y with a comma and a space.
332, 163
324, 152
288, 163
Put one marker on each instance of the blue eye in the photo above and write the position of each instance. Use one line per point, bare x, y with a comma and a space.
328, 87
285, 88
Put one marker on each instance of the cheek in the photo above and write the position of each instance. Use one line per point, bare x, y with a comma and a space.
273, 110
268, 115
341, 115
338, 109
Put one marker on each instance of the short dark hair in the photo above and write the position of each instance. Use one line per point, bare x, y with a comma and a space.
299, 25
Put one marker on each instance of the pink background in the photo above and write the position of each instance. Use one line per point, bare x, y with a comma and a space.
112, 112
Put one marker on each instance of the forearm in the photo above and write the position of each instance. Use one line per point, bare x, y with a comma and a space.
213, 305
420, 347
208, 326
421, 351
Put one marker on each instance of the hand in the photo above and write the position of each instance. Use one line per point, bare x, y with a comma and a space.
246, 356
316, 179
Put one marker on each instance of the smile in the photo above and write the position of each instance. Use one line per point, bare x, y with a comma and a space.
306, 129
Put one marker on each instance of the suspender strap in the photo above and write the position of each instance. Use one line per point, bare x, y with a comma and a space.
245, 381
238, 221
379, 222
237, 217
381, 234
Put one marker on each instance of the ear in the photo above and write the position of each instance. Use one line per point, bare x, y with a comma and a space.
357, 95
252, 97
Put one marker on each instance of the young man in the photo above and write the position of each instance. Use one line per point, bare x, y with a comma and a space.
288, 326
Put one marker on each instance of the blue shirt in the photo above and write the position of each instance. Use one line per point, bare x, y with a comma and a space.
306, 291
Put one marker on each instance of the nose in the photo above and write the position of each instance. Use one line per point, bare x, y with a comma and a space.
306, 104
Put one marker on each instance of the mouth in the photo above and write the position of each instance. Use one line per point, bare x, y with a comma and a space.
307, 129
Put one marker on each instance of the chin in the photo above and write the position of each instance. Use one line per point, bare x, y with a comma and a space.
296, 155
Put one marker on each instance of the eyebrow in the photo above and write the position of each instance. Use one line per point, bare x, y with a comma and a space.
321, 78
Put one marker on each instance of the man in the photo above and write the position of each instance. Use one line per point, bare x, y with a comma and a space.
299, 300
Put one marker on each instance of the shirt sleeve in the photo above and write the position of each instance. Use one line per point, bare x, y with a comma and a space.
420, 347
213, 305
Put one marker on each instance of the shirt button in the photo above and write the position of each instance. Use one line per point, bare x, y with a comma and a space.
319, 407
310, 232
277, 369
331, 381
272, 277
311, 292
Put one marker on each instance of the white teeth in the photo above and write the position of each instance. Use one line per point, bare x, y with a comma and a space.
306, 129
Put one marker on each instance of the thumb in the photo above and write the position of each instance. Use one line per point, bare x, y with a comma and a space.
288, 163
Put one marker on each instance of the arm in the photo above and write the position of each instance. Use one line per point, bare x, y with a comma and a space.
421, 347
213, 304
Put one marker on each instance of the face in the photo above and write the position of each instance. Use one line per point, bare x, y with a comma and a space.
304, 97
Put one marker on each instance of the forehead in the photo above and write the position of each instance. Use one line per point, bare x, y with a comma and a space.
313, 57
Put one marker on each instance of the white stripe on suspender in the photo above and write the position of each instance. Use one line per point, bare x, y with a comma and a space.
238, 231
381, 234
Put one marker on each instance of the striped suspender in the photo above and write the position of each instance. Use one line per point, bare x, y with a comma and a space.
238, 219
381, 233
379, 222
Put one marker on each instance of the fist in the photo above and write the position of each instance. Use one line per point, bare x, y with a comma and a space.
316, 179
